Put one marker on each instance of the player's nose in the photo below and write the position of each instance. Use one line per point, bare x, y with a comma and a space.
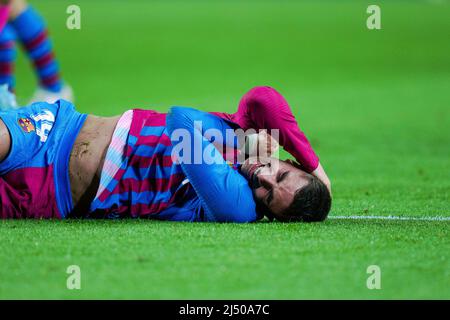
266, 179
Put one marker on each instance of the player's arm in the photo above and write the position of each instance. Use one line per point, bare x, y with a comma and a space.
224, 192
265, 108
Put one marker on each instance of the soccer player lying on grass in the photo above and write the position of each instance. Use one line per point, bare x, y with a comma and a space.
58, 163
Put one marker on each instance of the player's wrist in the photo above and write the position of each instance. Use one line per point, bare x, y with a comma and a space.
259, 144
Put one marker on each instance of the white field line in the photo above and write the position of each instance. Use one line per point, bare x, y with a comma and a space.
435, 218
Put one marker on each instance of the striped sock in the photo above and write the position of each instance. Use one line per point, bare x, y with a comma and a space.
32, 32
7, 57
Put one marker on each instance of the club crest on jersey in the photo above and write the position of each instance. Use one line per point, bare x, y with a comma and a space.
26, 125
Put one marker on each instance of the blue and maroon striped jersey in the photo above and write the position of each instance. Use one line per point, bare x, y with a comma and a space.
146, 181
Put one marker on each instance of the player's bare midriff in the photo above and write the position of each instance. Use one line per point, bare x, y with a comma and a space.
87, 158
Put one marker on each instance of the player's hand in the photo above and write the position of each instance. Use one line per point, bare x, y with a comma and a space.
320, 173
261, 144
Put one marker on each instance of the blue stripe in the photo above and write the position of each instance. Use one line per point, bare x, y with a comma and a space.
48, 70
112, 185
9, 80
109, 183
132, 140
157, 172
7, 55
28, 24
147, 151
147, 197
95, 205
115, 157
142, 174
7, 34
121, 133
40, 50
105, 179
153, 131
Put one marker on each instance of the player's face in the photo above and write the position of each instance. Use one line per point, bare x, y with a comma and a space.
274, 183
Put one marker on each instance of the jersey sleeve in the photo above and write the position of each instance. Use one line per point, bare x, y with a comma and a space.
224, 193
265, 108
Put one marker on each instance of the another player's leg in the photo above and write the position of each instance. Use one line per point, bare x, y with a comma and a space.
32, 33
7, 57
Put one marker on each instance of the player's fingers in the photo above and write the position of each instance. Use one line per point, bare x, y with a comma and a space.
272, 144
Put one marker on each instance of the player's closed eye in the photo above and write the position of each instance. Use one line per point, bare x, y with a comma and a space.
282, 176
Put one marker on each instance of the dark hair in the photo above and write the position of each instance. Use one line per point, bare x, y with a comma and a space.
311, 203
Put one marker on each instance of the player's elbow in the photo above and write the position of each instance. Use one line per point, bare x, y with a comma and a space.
262, 98
260, 90
179, 118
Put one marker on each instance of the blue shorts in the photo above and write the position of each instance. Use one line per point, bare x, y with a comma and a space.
34, 177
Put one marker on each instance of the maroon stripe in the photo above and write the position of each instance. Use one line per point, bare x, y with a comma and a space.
140, 209
143, 118
50, 80
6, 68
128, 151
153, 141
36, 41
143, 209
155, 119
44, 60
136, 124
149, 184
104, 195
40, 187
155, 160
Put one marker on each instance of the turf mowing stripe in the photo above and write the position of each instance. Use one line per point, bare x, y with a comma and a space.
436, 218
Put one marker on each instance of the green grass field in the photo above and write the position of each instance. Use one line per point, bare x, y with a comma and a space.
374, 103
